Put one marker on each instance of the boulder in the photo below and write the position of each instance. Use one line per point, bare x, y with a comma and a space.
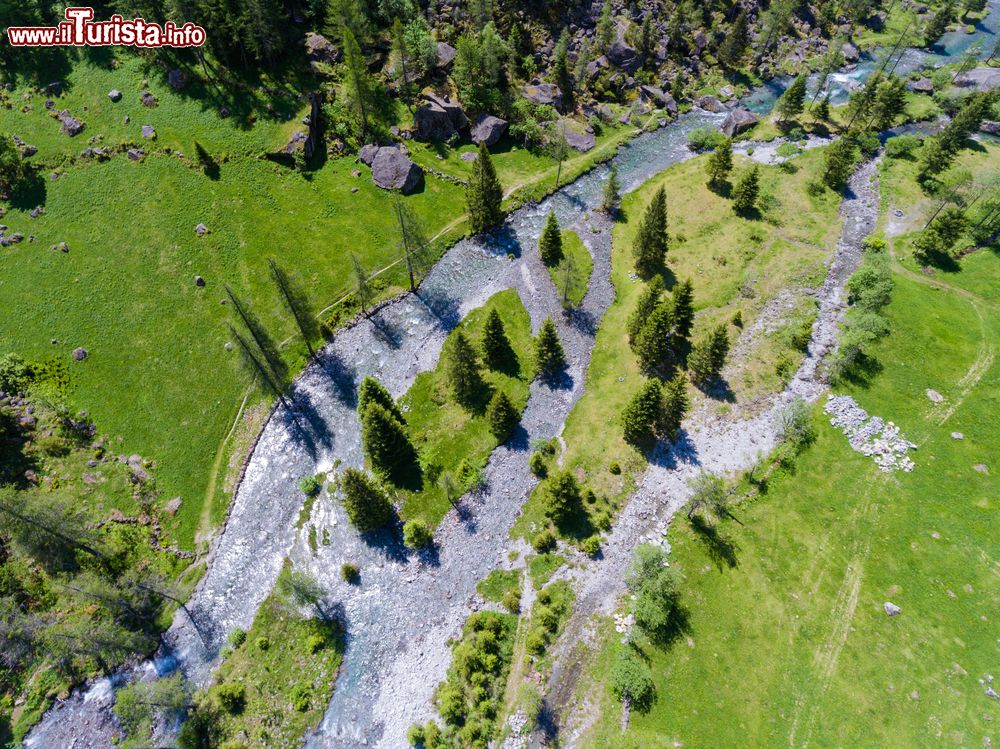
149, 132
921, 86
487, 129
201, 230
538, 92
393, 170
320, 49
710, 104
445, 54
850, 52
623, 56
199, 281
147, 99
70, 124
115, 95
990, 128
439, 119
659, 97
79, 354
891, 609
982, 79
594, 67
176, 79
367, 154
576, 136
135, 154
738, 121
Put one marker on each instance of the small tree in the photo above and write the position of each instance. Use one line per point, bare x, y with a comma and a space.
612, 192
502, 416
550, 243
648, 301
821, 112
362, 288
720, 164
655, 343
372, 391
416, 249
562, 497
839, 162
746, 190
497, 351
683, 307
605, 28
939, 23
734, 46
642, 412
385, 442
651, 239
708, 496
549, 354
484, 193
791, 103
416, 534
560, 70
462, 369
708, 356
366, 503
674, 406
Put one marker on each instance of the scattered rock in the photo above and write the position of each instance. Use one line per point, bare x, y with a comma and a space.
957, 436
321, 50
201, 230
199, 281
577, 137
710, 104
658, 96
487, 129
173, 506
469, 156
393, 170
623, 56
149, 132
850, 52
921, 86
739, 121
981, 467
135, 154
367, 154
990, 128
870, 435
60, 246
891, 609
70, 124
115, 95
79, 354
147, 99
934, 395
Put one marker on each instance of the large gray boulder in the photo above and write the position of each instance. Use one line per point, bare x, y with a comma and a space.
990, 128
487, 129
321, 49
921, 86
850, 52
367, 154
538, 92
623, 56
439, 119
393, 170
710, 104
445, 54
658, 97
982, 79
576, 136
738, 121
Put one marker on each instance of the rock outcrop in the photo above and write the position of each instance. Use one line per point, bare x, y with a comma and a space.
392, 169
439, 119
487, 129
538, 92
739, 121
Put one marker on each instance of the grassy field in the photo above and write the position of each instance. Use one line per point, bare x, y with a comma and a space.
736, 264
158, 378
572, 274
447, 435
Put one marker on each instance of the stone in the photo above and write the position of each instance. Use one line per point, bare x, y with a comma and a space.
367, 154
982, 79
957, 436
176, 79
623, 56
135, 154
115, 95
934, 395
921, 86
393, 170
173, 506
738, 121
70, 124
658, 96
296, 143
320, 49
487, 129
850, 52
710, 104
439, 119
981, 467
538, 92
576, 136
147, 99
199, 281
990, 128
148, 132
201, 230
79, 354
469, 156
223, 112
445, 54
891, 609
727, 92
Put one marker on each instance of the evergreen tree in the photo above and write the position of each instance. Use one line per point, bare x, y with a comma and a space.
562, 497
362, 288
648, 301
605, 28
416, 248
839, 162
791, 103
484, 193
821, 112
560, 71
550, 243
647, 38
890, 102
939, 23
611, 196
683, 307
720, 164
372, 391
746, 190
358, 89
674, 406
651, 239
641, 413
708, 356
497, 351
385, 442
934, 159
502, 416
403, 68
655, 343
478, 70
549, 355
366, 503
734, 46
462, 367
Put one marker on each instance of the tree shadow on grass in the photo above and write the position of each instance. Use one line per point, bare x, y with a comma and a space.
863, 371
718, 389
31, 192
721, 548
940, 260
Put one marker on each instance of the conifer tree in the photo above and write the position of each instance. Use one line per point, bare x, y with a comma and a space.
550, 243
562, 497
502, 416
647, 38
746, 190
549, 355
720, 164
484, 193
612, 195
358, 86
708, 356
462, 368
890, 102
605, 28
385, 442
362, 288
641, 413
840, 157
365, 501
560, 70
734, 46
674, 406
939, 23
648, 301
683, 307
821, 112
416, 248
373, 391
651, 240
497, 351
654, 344
791, 103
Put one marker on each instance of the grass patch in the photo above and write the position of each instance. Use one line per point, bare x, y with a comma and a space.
542, 567
572, 275
498, 583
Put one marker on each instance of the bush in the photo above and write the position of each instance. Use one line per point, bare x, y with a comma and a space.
543, 541
632, 681
535, 642
738, 318
591, 546
263, 644
350, 572
615, 468
232, 697
365, 501
536, 463
870, 288
902, 146
451, 705
415, 735
237, 637
512, 601
795, 424
705, 138
300, 698
562, 497
315, 643
310, 485
416, 534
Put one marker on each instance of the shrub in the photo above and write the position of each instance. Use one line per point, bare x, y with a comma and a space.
562, 497
591, 546
902, 146
350, 572
415, 735
300, 698
738, 318
543, 541
795, 424
451, 705
537, 465
263, 644
310, 485
632, 681
705, 138
232, 697
535, 642
502, 416
512, 601
603, 521
315, 643
416, 534
615, 468
870, 288
365, 501
237, 637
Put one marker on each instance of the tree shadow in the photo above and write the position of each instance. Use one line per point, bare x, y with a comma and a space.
723, 189
721, 548
389, 541
939, 260
863, 371
717, 389
342, 376
30, 192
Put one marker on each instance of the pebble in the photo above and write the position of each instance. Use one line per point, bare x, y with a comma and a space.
891, 609
957, 436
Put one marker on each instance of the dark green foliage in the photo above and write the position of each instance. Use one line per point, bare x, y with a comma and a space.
611, 195
657, 340
386, 444
746, 190
651, 240
359, 88
484, 193
543, 541
734, 47
502, 415
632, 682
372, 391
605, 28
939, 152
674, 407
642, 413
231, 697
560, 71
350, 573
708, 356
890, 103
462, 367
550, 242
310, 485
647, 302
939, 23
562, 497
13, 169
537, 465
416, 534
709, 497
497, 350
791, 103
821, 112
654, 586
683, 307
478, 70
901, 146
939, 237
869, 289
720, 164
549, 354
365, 501
841, 156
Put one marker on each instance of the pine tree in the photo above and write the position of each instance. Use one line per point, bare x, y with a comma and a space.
939, 24
839, 162
734, 47
720, 347
562, 497
362, 288
611, 196
651, 240
654, 345
365, 501
708, 356
550, 243
647, 38
641, 413
746, 190
648, 301
400, 53
462, 369
358, 86
372, 391
497, 351
549, 355
683, 307
605, 28
560, 71
484, 193
720, 164
502, 416
385, 442
674, 406
416, 248
793, 100
13, 169
821, 112
890, 102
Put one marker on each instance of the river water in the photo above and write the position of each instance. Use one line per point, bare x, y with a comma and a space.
403, 339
